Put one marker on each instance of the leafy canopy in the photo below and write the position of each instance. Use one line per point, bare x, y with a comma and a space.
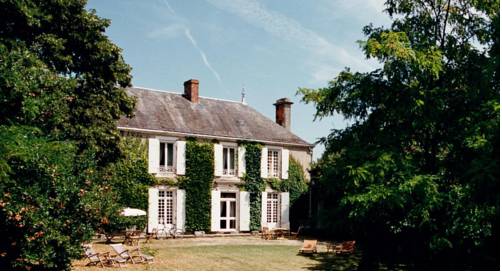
418, 170
61, 92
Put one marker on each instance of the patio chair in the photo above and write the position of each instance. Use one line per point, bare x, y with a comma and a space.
347, 247
267, 234
294, 235
123, 253
309, 247
94, 257
144, 257
150, 235
132, 238
132, 254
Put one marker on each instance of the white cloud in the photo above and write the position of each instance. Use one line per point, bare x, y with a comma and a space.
202, 54
324, 53
181, 28
171, 31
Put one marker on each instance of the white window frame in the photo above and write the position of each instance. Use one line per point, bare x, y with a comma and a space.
274, 171
165, 170
273, 208
228, 171
166, 206
227, 218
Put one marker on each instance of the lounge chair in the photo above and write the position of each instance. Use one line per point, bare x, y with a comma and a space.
294, 235
94, 257
133, 255
309, 247
346, 247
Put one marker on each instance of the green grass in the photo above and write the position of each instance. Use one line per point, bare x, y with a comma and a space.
231, 254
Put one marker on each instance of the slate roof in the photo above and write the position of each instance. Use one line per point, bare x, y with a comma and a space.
164, 111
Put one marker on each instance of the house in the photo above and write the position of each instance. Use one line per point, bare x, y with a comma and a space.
165, 120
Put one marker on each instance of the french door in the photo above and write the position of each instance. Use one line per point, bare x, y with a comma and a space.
273, 217
166, 209
228, 211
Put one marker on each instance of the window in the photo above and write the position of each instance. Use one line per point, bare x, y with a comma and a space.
229, 159
272, 207
165, 207
166, 154
273, 163
228, 211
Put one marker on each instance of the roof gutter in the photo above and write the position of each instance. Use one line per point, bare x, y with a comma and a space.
140, 130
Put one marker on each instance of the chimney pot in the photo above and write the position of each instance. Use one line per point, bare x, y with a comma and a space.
283, 112
192, 90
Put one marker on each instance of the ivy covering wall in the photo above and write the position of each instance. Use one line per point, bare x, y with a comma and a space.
198, 182
296, 184
254, 183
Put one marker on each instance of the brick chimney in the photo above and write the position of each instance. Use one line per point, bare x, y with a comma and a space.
192, 90
283, 112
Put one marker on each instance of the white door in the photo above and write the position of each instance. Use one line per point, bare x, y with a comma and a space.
228, 211
273, 212
166, 209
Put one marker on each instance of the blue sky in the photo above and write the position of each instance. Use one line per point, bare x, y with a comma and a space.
271, 48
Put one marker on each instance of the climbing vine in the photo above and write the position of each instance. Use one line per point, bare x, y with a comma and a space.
198, 181
254, 183
296, 184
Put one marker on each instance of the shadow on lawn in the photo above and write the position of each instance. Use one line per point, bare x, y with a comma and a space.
330, 261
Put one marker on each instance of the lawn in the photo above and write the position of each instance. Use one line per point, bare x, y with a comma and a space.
236, 253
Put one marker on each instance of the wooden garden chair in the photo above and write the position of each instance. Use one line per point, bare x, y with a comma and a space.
294, 235
267, 234
347, 247
94, 257
153, 234
309, 247
131, 255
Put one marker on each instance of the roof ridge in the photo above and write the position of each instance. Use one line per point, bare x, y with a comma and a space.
172, 92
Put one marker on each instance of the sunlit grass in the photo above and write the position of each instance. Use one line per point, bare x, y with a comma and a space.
224, 254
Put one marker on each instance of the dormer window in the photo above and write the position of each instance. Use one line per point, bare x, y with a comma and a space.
229, 159
166, 160
273, 163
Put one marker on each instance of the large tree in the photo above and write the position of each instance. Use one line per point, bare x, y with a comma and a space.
61, 92
416, 176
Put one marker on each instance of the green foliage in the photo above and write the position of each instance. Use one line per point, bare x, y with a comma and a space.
61, 73
419, 167
297, 183
275, 183
129, 177
118, 224
254, 183
61, 92
44, 215
198, 182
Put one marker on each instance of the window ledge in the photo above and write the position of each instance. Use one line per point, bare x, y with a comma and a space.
228, 179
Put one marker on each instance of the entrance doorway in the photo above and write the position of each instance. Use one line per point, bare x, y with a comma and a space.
228, 211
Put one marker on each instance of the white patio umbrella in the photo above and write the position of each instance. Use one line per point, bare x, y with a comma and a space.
132, 212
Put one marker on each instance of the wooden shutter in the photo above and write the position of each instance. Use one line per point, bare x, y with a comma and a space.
153, 155
284, 163
215, 210
264, 209
285, 210
242, 160
180, 210
153, 208
180, 157
264, 162
218, 159
244, 211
